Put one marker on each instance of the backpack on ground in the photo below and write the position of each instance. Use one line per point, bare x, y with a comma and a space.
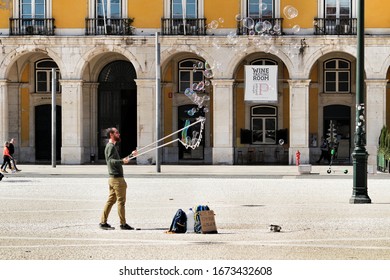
198, 224
179, 222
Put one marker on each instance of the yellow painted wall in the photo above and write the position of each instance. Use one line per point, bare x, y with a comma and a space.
377, 14
146, 14
307, 11
5, 13
70, 13
224, 10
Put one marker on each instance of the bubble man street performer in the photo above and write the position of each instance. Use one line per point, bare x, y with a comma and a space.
116, 181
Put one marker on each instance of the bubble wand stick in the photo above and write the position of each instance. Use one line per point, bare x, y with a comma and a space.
199, 120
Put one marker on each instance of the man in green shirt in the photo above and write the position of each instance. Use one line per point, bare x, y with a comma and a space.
116, 182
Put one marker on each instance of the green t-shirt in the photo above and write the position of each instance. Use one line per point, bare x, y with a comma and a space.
114, 162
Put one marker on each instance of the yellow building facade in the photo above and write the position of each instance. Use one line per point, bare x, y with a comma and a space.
104, 55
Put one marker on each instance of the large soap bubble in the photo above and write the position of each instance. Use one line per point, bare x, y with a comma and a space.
290, 12
248, 22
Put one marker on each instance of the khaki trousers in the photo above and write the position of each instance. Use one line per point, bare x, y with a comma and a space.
117, 193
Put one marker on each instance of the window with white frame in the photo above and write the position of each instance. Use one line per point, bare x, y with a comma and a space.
190, 72
109, 8
337, 76
43, 76
260, 8
32, 8
340, 9
187, 8
263, 124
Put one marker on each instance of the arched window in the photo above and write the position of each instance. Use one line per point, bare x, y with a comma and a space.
190, 72
264, 62
264, 124
337, 76
43, 76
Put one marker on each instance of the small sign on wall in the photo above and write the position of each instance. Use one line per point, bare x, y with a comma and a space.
261, 83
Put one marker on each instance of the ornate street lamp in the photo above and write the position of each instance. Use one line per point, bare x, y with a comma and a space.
359, 155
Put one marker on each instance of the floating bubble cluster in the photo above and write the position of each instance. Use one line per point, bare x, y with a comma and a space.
194, 94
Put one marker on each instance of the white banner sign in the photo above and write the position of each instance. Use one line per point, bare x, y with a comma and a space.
261, 83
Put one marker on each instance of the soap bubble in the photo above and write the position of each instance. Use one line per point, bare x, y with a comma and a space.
238, 17
290, 12
277, 27
200, 65
259, 27
232, 37
208, 73
213, 24
208, 66
296, 28
206, 98
192, 111
267, 25
221, 20
200, 86
248, 22
263, 6
188, 92
206, 83
206, 110
281, 142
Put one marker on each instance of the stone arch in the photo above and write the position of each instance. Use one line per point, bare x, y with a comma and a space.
93, 61
26, 52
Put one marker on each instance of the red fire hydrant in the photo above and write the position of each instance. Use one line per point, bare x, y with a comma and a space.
297, 157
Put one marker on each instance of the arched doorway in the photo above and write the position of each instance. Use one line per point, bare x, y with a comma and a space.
117, 105
43, 134
340, 115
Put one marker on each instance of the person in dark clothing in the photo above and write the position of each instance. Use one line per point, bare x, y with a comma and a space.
117, 184
324, 151
11, 149
6, 158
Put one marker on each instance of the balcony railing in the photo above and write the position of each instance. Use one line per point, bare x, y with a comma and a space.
112, 26
178, 26
271, 26
335, 26
31, 26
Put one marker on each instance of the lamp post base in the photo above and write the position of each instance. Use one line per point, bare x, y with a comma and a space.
360, 190
362, 199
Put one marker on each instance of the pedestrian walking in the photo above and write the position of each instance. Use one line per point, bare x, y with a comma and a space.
11, 149
324, 151
116, 182
6, 158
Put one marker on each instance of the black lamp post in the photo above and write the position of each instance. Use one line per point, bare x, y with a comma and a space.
359, 155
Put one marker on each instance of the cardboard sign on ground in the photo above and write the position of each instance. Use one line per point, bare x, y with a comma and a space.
207, 220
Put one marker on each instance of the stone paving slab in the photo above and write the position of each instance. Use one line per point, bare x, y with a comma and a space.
51, 217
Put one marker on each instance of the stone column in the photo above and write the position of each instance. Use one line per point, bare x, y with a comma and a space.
4, 112
299, 120
72, 151
223, 150
146, 119
375, 118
